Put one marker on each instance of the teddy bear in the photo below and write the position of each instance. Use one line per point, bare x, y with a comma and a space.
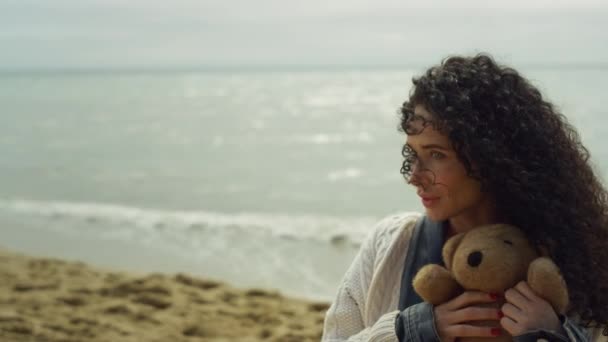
492, 259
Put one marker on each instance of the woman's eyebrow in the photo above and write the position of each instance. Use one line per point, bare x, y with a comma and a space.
434, 146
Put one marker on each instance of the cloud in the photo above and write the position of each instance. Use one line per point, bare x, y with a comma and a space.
111, 33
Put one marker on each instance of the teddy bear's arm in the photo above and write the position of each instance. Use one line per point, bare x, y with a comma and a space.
435, 284
545, 279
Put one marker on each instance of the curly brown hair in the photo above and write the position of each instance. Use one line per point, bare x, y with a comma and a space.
531, 159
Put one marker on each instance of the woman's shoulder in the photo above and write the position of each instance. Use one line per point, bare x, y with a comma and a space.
393, 226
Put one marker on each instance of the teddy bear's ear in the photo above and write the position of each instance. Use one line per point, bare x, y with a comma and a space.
450, 247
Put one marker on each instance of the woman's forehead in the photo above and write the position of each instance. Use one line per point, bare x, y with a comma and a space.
421, 111
428, 135
422, 131
418, 121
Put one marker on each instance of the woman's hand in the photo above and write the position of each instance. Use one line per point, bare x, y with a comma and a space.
450, 317
524, 311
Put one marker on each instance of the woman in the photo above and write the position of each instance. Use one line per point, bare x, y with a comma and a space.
482, 147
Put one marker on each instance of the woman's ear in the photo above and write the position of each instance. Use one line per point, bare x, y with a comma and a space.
450, 248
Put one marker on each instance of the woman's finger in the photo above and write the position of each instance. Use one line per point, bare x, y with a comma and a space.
465, 330
512, 312
510, 326
473, 313
526, 291
468, 298
514, 297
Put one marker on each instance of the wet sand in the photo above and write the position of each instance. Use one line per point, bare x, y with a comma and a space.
44, 299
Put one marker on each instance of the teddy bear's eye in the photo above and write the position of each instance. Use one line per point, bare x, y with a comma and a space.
508, 242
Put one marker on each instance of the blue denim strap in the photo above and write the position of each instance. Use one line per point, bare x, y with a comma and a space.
416, 320
424, 248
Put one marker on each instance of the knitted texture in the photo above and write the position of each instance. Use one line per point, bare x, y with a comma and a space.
366, 304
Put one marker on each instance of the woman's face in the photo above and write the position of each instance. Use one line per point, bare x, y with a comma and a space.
441, 180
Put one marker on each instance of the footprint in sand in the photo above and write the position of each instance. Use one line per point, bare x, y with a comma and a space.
229, 297
118, 309
25, 287
152, 301
201, 284
135, 287
193, 331
72, 301
318, 307
262, 293
265, 333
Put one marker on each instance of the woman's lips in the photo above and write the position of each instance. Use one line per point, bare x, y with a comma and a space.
429, 201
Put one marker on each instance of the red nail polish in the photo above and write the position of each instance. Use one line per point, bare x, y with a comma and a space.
496, 332
500, 314
494, 296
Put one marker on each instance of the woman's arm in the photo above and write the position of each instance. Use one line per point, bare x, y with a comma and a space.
343, 322
448, 321
346, 318
416, 323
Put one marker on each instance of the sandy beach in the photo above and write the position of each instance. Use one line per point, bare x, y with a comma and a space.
44, 299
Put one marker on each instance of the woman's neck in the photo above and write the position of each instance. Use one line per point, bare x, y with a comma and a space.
481, 215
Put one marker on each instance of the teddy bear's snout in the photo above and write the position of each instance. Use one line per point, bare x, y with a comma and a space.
474, 259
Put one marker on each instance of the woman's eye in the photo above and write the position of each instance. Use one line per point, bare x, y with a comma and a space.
437, 155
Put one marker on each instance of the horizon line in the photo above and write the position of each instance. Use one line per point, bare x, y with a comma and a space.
270, 67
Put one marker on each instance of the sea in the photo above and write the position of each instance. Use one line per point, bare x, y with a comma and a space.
257, 177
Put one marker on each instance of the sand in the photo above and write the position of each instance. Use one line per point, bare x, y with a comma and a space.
43, 299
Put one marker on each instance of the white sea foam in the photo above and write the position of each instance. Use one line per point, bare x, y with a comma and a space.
218, 141
345, 174
258, 124
303, 255
333, 138
131, 221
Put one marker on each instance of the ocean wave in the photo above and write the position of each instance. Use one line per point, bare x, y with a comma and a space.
335, 138
345, 174
132, 222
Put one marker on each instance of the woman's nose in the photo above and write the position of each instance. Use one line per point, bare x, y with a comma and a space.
420, 175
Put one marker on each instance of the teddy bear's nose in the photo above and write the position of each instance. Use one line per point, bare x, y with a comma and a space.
475, 259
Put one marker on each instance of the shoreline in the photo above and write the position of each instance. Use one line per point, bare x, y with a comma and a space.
246, 263
49, 299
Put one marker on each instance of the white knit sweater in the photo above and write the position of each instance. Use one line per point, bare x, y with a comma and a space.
366, 304
365, 307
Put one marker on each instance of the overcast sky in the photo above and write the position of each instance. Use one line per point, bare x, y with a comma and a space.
208, 33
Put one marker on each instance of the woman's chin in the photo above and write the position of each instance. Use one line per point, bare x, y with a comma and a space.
435, 215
